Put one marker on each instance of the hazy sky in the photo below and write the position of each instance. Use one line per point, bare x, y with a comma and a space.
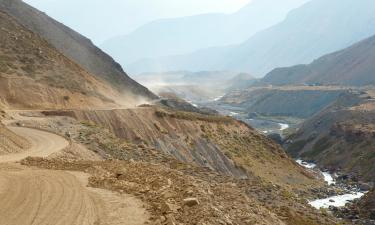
103, 19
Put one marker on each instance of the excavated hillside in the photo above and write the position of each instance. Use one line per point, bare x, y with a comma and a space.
33, 74
136, 166
341, 137
75, 46
220, 143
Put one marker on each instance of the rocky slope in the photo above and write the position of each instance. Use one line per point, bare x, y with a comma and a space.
340, 137
173, 189
74, 46
34, 74
352, 66
219, 143
300, 102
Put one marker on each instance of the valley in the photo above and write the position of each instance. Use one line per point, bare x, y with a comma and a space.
194, 135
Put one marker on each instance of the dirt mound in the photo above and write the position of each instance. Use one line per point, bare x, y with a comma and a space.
11, 142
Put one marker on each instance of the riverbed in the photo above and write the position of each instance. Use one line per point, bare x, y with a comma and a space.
336, 201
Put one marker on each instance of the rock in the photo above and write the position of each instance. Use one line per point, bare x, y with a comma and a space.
191, 202
169, 207
364, 186
331, 200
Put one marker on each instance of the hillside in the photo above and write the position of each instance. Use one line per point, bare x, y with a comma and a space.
74, 46
196, 32
352, 66
300, 102
340, 137
219, 143
34, 74
317, 28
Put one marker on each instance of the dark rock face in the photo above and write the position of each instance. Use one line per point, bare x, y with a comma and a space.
75, 46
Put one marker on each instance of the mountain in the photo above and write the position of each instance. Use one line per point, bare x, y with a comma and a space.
34, 74
187, 34
352, 66
318, 27
74, 46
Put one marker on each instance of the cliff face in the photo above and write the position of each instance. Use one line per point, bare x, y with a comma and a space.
74, 46
341, 137
220, 143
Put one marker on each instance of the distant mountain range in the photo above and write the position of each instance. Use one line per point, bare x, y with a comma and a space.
187, 34
353, 66
316, 28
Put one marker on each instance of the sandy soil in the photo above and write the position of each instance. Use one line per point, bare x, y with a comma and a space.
45, 197
43, 144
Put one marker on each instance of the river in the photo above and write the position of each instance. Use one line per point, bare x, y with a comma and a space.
338, 200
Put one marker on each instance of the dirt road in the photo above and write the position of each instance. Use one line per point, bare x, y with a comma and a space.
45, 197
42, 143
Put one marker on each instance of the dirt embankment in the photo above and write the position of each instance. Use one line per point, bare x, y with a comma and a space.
219, 143
11, 142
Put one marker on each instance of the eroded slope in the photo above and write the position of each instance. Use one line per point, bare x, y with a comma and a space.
33, 74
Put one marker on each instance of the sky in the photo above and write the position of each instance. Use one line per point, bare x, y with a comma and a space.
100, 20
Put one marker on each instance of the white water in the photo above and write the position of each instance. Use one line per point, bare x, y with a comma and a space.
328, 178
306, 164
283, 126
338, 200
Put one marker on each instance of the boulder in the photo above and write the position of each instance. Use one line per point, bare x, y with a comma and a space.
191, 202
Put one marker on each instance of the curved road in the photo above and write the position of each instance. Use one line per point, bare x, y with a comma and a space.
42, 143
46, 197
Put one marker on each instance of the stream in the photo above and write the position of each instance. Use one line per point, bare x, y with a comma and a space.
336, 201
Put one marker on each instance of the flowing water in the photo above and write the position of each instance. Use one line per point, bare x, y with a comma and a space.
338, 200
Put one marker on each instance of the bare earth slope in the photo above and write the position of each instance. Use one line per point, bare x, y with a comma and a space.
34, 74
74, 46
219, 143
